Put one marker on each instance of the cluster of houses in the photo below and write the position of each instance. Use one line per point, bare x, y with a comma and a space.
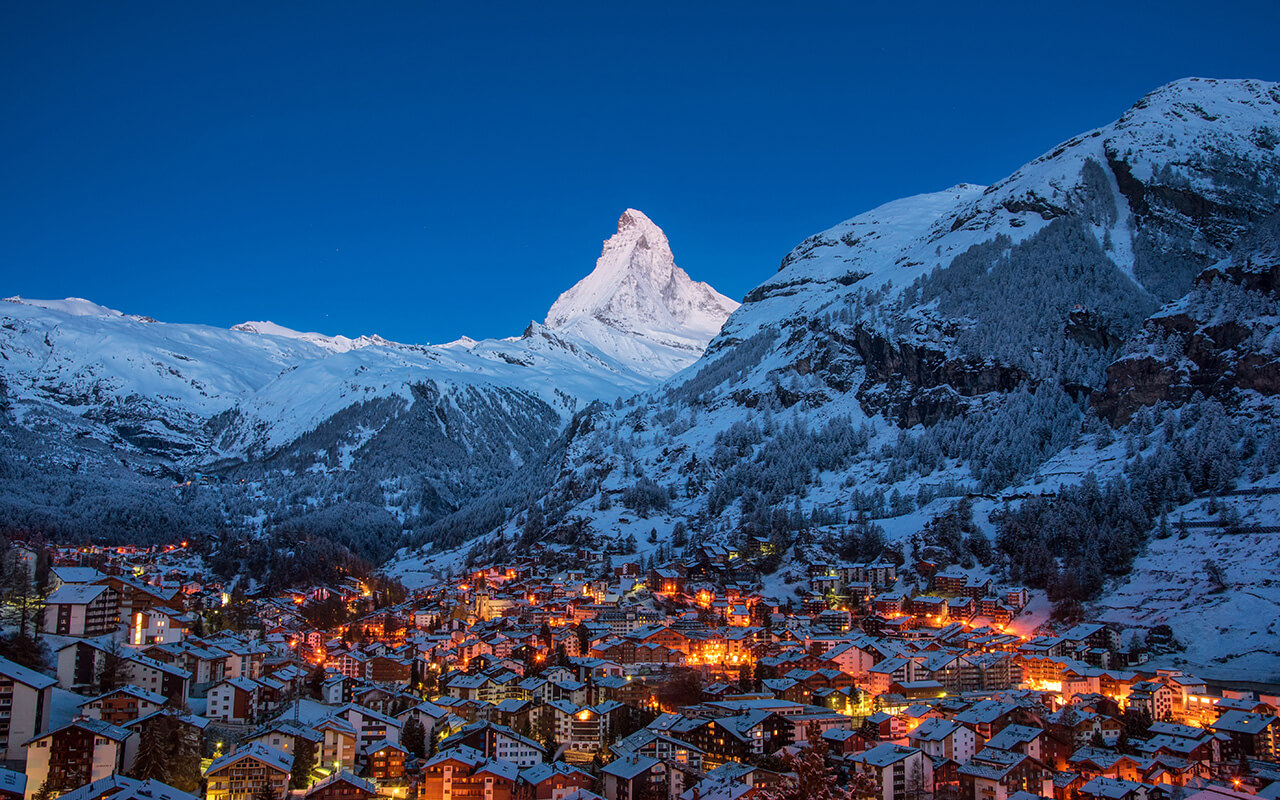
673, 683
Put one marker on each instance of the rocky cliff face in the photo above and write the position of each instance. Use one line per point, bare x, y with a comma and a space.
1220, 340
1041, 277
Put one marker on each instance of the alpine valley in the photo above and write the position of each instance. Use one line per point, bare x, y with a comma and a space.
1068, 378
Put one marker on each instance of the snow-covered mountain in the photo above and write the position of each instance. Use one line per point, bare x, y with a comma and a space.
962, 343
1082, 351
637, 306
264, 399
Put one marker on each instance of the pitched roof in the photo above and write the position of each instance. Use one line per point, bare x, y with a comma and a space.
76, 594
630, 766
95, 726
266, 754
23, 675
1243, 722
345, 777
154, 698
882, 755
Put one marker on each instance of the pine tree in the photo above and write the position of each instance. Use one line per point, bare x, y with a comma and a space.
413, 736
23, 596
812, 779
184, 766
304, 761
47, 790
155, 748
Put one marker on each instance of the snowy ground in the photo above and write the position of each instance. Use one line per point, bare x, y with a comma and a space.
1232, 634
63, 707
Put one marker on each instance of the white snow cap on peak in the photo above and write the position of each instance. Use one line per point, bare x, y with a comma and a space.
637, 289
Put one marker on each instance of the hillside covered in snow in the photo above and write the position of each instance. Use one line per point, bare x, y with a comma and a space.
1024, 379
362, 430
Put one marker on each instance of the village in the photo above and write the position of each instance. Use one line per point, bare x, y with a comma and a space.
624, 681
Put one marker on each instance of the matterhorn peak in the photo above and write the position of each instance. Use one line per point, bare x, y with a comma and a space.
637, 289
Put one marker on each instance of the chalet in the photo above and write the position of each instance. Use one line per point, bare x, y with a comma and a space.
900, 772
667, 580
997, 774
740, 737
385, 761
1094, 761
247, 772
555, 781
284, 735
1154, 697
463, 772
986, 718
1117, 789
80, 752
1250, 735
842, 742
338, 745
634, 777
944, 739
369, 725
1019, 739
125, 788
234, 700
156, 625
62, 576
659, 745
497, 741
135, 596
124, 705
387, 669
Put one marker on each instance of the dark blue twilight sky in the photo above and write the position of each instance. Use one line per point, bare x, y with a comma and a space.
423, 170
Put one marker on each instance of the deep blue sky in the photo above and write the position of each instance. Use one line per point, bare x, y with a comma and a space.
424, 170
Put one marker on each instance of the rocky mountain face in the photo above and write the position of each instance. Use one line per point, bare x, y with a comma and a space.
1219, 340
1103, 314
1040, 276
410, 432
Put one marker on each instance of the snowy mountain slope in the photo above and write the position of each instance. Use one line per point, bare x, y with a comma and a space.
947, 344
1230, 627
424, 426
150, 384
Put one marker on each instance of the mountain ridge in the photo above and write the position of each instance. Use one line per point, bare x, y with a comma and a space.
418, 429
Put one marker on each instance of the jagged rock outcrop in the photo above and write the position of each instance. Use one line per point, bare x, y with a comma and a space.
1221, 339
916, 384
